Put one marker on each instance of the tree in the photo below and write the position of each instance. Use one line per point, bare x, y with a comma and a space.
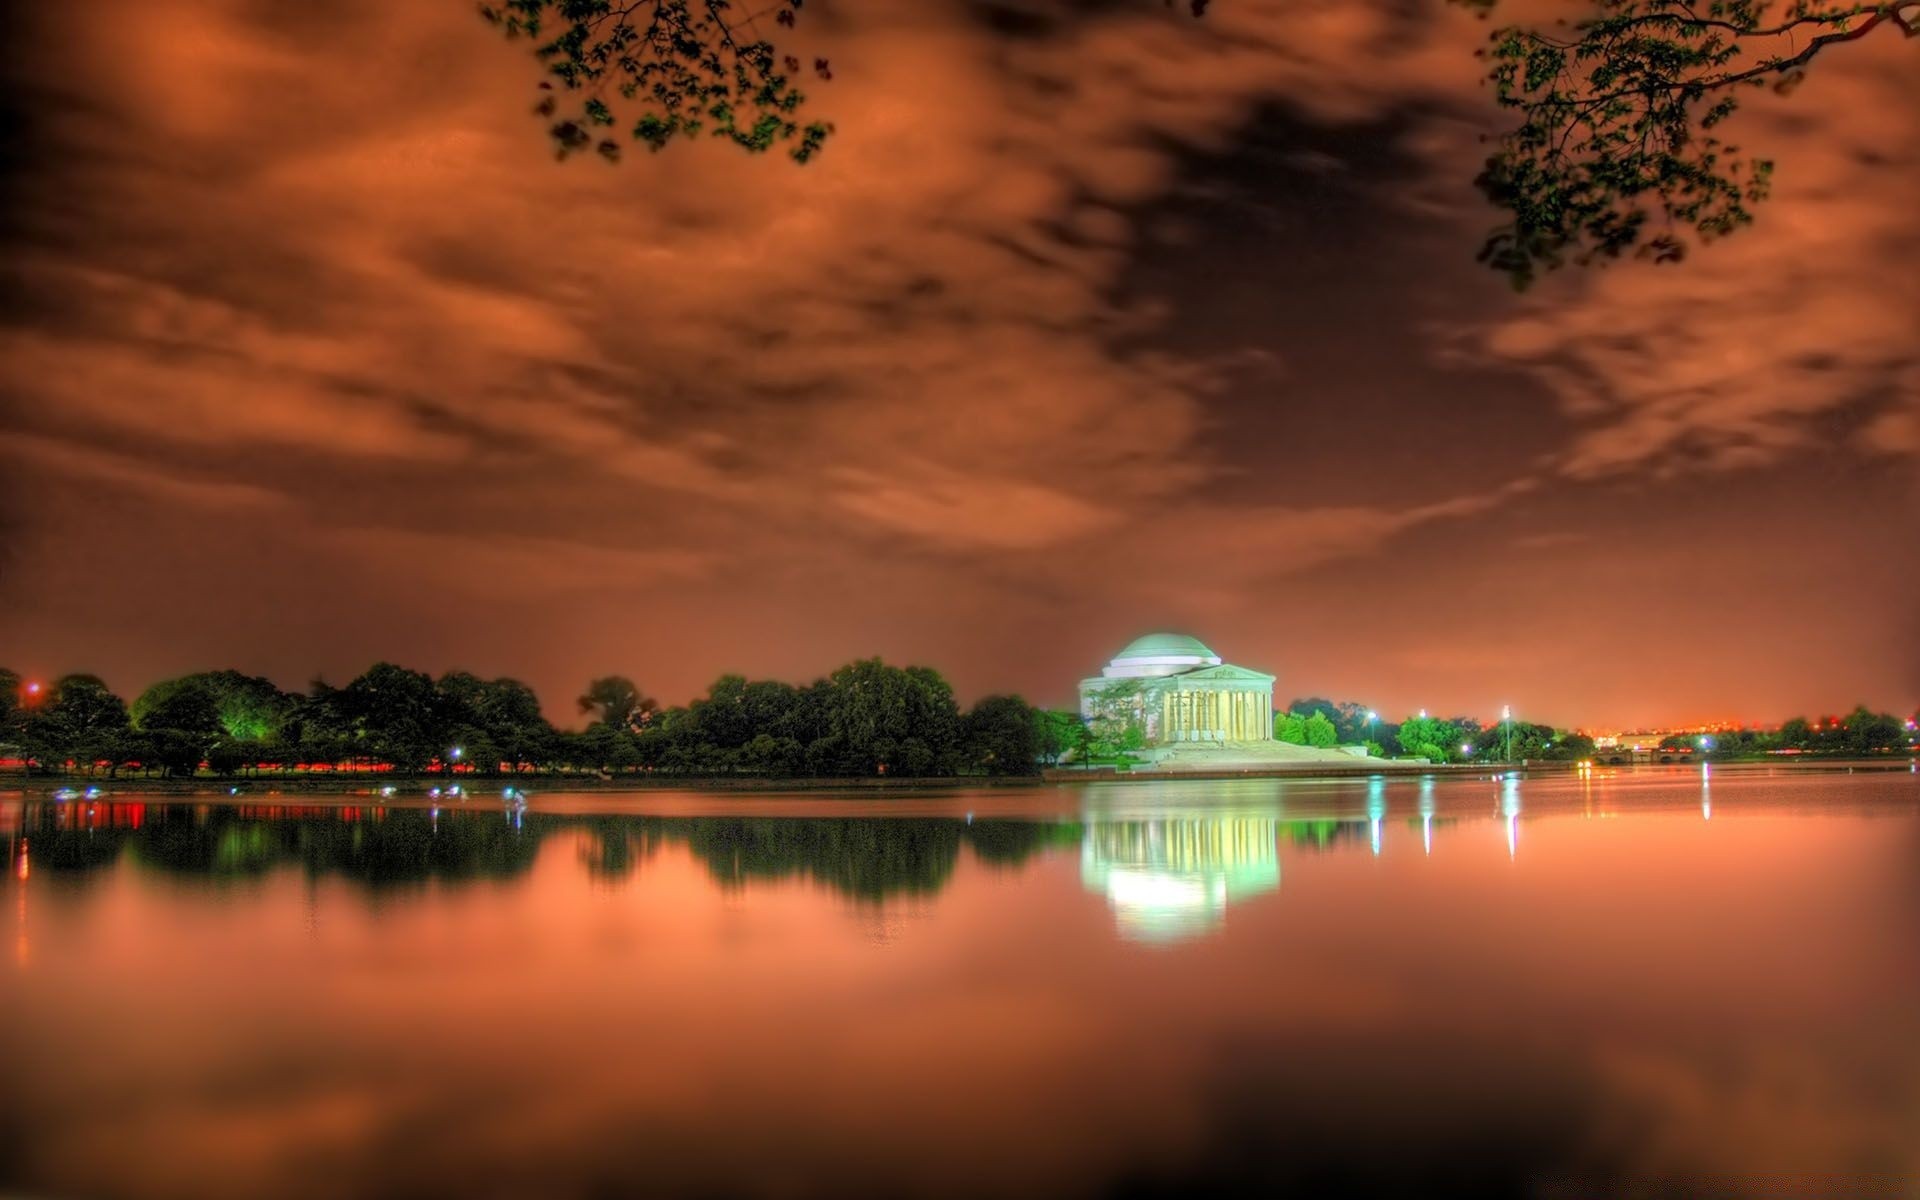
1619, 114
890, 720
316, 727
13, 711
1117, 718
683, 66
1349, 719
181, 718
1319, 731
615, 700
1869, 732
395, 715
773, 756
504, 717
1059, 733
1430, 738
1620, 121
1290, 727
81, 720
1002, 736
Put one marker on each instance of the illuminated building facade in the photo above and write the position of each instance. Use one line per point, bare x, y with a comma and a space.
1180, 691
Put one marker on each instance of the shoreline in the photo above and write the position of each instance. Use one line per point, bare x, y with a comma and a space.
13, 784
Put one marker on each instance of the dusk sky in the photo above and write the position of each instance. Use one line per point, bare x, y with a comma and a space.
1091, 320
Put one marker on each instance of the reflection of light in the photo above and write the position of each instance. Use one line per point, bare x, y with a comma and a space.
1510, 807
1376, 809
1134, 887
1706, 791
1426, 814
1171, 878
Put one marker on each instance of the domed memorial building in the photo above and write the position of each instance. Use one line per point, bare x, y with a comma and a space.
1178, 690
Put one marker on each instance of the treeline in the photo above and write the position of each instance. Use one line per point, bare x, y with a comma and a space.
865, 719
1316, 721
1860, 732
1319, 722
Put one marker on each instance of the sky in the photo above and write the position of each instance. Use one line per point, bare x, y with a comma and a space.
1091, 320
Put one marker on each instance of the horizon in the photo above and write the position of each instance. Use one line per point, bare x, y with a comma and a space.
564, 714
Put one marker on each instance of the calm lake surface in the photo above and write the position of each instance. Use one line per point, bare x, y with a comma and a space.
1650, 983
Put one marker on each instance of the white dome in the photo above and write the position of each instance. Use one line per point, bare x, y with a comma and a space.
1160, 654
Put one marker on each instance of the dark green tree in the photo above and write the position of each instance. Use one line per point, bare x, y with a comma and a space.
496, 722
1869, 732
615, 700
81, 720
13, 713
395, 716
181, 720
1002, 736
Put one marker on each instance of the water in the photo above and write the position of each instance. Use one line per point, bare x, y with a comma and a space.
1653, 983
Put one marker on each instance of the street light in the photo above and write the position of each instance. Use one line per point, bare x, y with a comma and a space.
1373, 716
1506, 718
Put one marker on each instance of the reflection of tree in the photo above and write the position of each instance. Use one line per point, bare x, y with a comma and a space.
862, 858
1324, 833
1014, 842
408, 846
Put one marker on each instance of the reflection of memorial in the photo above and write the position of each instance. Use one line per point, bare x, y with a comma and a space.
1172, 877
